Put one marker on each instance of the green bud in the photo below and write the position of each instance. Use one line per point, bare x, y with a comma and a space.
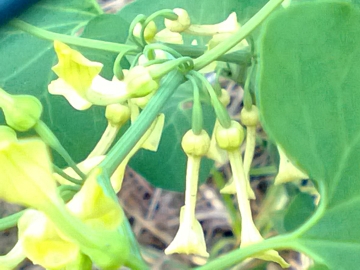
181, 23
23, 112
230, 138
250, 117
196, 145
140, 82
117, 114
149, 33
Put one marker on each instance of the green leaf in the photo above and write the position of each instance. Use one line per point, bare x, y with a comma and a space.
200, 12
310, 104
300, 209
166, 168
106, 27
27, 61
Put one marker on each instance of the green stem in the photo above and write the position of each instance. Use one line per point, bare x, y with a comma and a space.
66, 176
248, 102
166, 13
285, 241
221, 113
241, 57
237, 37
197, 113
120, 150
10, 221
229, 204
263, 171
72, 40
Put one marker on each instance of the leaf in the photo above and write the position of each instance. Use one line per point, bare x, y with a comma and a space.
106, 27
310, 102
27, 61
166, 168
200, 12
300, 209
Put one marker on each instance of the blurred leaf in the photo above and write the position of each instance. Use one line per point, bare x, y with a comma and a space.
310, 102
200, 12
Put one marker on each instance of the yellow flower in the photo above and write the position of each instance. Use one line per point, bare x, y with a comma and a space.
42, 243
287, 170
80, 83
26, 175
230, 25
89, 223
231, 139
189, 239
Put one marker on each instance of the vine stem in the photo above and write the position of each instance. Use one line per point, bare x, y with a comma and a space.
242, 33
120, 150
72, 40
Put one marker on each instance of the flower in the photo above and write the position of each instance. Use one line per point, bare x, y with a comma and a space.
230, 25
231, 139
26, 175
181, 23
287, 170
189, 239
80, 83
42, 243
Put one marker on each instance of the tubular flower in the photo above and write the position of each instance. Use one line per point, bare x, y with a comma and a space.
190, 237
231, 139
287, 170
230, 25
149, 32
181, 23
166, 36
80, 83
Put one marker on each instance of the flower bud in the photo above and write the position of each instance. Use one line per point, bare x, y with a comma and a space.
250, 117
230, 138
181, 23
149, 33
139, 82
23, 113
196, 145
117, 114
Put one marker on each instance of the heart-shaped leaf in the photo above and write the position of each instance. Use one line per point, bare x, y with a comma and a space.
310, 104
